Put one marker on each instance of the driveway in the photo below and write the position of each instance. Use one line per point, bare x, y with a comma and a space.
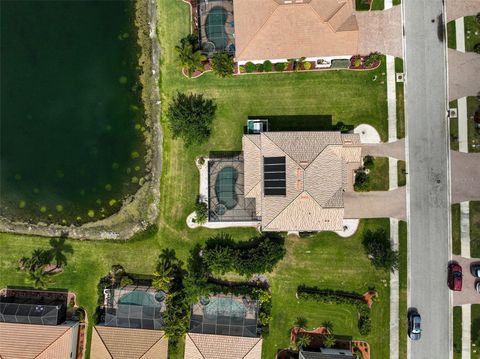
468, 294
376, 204
465, 169
380, 31
389, 149
463, 70
460, 8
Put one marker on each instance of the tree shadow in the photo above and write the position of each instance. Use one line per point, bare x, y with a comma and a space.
303, 123
59, 250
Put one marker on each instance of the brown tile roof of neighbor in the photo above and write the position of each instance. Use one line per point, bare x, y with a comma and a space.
318, 169
210, 346
29, 341
126, 343
277, 29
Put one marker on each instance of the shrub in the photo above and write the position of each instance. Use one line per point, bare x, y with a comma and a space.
190, 117
307, 65
361, 181
476, 48
201, 210
377, 247
249, 67
368, 162
372, 58
357, 62
242, 68
222, 64
189, 55
267, 66
126, 280
280, 66
364, 325
220, 259
259, 67
340, 126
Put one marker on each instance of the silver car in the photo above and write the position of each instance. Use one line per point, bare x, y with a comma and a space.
414, 325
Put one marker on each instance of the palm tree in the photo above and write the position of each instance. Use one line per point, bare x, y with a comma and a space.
189, 58
303, 340
300, 322
38, 277
328, 325
161, 280
59, 248
329, 341
39, 258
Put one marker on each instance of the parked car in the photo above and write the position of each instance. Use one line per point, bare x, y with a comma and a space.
477, 287
475, 269
454, 277
414, 325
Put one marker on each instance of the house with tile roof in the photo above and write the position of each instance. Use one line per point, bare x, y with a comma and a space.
126, 343
277, 30
298, 178
224, 327
36, 341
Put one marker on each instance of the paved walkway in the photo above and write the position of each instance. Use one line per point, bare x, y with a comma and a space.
459, 8
462, 125
460, 34
465, 169
391, 149
463, 70
376, 204
466, 331
465, 229
391, 99
380, 31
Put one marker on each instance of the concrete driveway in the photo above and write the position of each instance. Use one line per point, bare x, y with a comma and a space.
376, 204
389, 149
463, 73
380, 31
465, 169
460, 8
468, 294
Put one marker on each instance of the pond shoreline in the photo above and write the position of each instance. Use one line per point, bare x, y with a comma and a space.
141, 209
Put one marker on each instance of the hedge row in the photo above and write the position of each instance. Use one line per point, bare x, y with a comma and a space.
340, 297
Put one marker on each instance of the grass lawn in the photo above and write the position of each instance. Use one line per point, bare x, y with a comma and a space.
472, 32
457, 332
473, 136
401, 173
475, 229
402, 274
451, 35
454, 128
399, 90
396, 2
456, 243
475, 331
378, 5
324, 260
378, 176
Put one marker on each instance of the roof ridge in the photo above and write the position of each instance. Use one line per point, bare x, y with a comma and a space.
258, 30
281, 149
104, 344
141, 356
333, 14
248, 138
284, 208
49, 345
195, 345
258, 341
246, 194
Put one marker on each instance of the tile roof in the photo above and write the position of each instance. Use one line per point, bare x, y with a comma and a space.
319, 168
29, 341
127, 343
277, 29
209, 346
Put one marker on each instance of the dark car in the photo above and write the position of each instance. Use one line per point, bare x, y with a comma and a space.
455, 277
414, 325
475, 269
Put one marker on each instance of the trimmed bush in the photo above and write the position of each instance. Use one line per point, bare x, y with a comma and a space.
361, 181
202, 212
280, 66
222, 64
250, 67
259, 67
368, 162
242, 68
476, 48
267, 66
307, 65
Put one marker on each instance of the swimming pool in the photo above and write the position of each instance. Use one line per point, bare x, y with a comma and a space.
139, 298
225, 187
215, 27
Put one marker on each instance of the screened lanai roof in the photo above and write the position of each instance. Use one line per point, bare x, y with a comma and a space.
32, 313
225, 314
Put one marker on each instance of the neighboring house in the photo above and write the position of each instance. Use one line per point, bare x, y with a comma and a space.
298, 178
131, 325
277, 30
33, 324
125, 343
224, 327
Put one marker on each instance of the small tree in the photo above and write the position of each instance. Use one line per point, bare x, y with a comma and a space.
189, 55
201, 211
361, 181
329, 341
38, 277
300, 322
368, 162
378, 248
328, 325
303, 341
222, 64
191, 117
220, 259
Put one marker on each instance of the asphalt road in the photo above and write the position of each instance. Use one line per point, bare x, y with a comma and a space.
428, 199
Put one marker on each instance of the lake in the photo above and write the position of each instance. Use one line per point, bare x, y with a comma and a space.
72, 144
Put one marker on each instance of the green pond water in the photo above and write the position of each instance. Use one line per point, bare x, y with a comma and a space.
71, 117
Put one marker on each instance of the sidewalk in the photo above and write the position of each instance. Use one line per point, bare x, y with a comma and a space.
460, 34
